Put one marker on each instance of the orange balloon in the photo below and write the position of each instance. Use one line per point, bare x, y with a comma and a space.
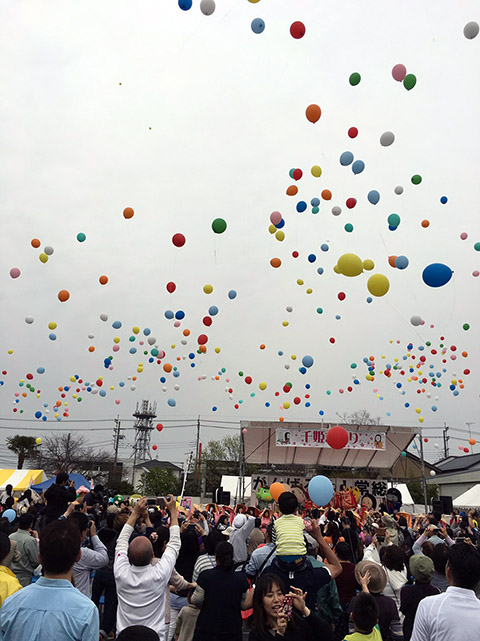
63, 295
425, 223
262, 346
128, 212
186, 332
313, 113
91, 348
292, 190
472, 441
275, 262
167, 367
464, 354
326, 194
276, 489
391, 260
103, 280
35, 243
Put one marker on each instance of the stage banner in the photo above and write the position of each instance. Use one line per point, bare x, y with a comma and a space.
318, 438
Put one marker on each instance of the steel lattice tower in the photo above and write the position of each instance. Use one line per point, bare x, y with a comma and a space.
144, 413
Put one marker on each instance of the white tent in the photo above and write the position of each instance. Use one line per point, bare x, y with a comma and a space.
470, 498
407, 500
20, 479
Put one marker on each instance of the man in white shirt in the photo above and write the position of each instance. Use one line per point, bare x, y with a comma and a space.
92, 558
455, 614
141, 586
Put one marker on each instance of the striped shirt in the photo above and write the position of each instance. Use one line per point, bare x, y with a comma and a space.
289, 536
204, 562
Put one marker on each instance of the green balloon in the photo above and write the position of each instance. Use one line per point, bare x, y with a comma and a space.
81, 237
476, 247
417, 179
466, 326
348, 227
290, 173
403, 454
354, 79
393, 220
315, 210
319, 310
240, 373
154, 352
409, 81
219, 225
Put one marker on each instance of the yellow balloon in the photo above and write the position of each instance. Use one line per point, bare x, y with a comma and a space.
217, 350
421, 419
337, 270
116, 339
285, 323
52, 325
368, 264
309, 290
262, 386
418, 410
10, 351
38, 441
280, 235
316, 171
43, 257
173, 346
73, 379
293, 357
286, 405
208, 289
299, 281
378, 285
272, 229
350, 265
135, 329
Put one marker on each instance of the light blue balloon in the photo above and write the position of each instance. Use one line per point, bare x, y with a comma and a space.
147, 331
232, 294
307, 361
169, 314
133, 350
358, 166
346, 158
315, 202
320, 490
320, 270
102, 392
52, 337
324, 247
369, 299
213, 310
258, 26
116, 324
373, 196
434, 408
401, 262
40, 370
172, 402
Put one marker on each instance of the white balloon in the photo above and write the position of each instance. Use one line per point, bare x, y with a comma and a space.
398, 190
176, 387
133, 387
164, 388
48, 250
416, 320
287, 366
29, 320
470, 30
94, 391
151, 340
91, 336
336, 211
183, 341
436, 446
104, 317
432, 472
289, 308
207, 7
387, 138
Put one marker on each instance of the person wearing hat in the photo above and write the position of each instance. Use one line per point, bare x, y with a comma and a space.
242, 527
371, 576
422, 569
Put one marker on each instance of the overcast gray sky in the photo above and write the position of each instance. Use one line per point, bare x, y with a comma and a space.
187, 118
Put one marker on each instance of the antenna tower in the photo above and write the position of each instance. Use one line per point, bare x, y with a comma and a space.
144, 413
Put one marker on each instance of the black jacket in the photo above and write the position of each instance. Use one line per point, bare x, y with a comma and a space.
58, 497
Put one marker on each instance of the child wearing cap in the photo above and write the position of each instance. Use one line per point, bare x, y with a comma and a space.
422, 569
365, 613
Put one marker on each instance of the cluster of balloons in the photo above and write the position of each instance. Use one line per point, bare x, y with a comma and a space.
347, 158
399, 73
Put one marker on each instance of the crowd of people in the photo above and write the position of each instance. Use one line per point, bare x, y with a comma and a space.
84, 567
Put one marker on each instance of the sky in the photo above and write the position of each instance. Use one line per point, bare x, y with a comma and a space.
188, 118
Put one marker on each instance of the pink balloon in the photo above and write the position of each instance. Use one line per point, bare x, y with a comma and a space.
275, 217
15, 272
375, 390
475, 273
176, 323
453, 357
117, 402
464, 235
115, 348
399, 72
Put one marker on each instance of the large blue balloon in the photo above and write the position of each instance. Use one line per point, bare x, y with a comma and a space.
185, 5
258, 26
320, 490
307, 361
373, 196
358, 166
346, 158
436, 275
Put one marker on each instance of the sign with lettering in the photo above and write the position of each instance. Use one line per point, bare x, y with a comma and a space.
318, 438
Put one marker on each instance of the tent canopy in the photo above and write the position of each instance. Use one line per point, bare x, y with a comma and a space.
470, 498
78, 480
405, 492
260, 446
20, 479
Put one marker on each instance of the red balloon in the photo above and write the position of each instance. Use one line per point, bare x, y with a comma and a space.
297, 400
202, 339
159, 427
29, 376
341, 295
332, 340
466, 450
171, 287
297, 30
297, 174
248, 380
425, 440
337, 437
154, 447
351, 202
353, 132
178, 240
295, 254
207, 321
99, 382
286, 388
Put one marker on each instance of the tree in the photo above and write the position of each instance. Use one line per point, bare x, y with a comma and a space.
158, 482
220, 458
69, 453
359, 417
23, 446
415, 488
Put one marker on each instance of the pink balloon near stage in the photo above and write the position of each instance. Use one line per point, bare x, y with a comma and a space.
337, 437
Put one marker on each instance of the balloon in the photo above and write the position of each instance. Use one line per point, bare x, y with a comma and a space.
378, 285
387, 139
401, 262
373, 196
409, 81
275, 490
320, 490
425, 223
219, 225
275, 262
436, 275
185, 5
336, 210
159, 427
38, 441
178, 240
398, 190
262, 386
292, 190
472, 441
171, 287
15, 272
48, 250
346, 158
403, 454
38, 414
313, 113
275, 217
326, 194
416, 320
297, 30
232, 294
81, 237
399, 72
43, 257
63, 295
337, 437
208, 289
207, 7
432, 472
470, 30
354, 79
352, 132
171, 402
258, 25
358, 166
35, 243
316, 171
154, 447
307, 361
128, 212
368, 264
350, 265
104, 317
202, 339
351, 202
393, 220
416, 179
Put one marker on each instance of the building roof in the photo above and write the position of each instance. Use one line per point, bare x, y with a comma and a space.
458, 463
163, 465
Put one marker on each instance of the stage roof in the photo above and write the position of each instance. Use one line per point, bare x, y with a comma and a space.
260, 446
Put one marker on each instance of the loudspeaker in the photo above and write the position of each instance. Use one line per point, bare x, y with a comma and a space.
220, 497
437, 506
447, 504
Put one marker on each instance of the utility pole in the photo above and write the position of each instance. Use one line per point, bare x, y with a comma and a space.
117, 437
424, 482
446, 438
197, 456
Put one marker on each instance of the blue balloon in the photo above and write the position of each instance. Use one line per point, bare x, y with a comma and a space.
180, 315
232, 294
172, 402
307, 361
169, 314
38, 414
163, 379
369, 299
315, 202
434, 408
133, 350
122, 384
40, 370
52, 337
301, 206
358, 166
176, 374
102, 392
213, 310
443, 200
320, 490
214, 409
302, 370
307, 386
373, 196
312, 258
147, 331
44, 418
116, 324
320, 270
436, 275
324, 247
280, 224
185, 5
346, 158
401, 262
258, 26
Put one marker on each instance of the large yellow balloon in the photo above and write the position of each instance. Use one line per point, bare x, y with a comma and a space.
350, 265
378, 285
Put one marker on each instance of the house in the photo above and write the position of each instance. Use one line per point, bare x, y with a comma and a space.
457, 474
146, 466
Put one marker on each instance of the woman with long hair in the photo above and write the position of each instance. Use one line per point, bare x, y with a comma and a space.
187, 557
222, 594
270, 621
392, 559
